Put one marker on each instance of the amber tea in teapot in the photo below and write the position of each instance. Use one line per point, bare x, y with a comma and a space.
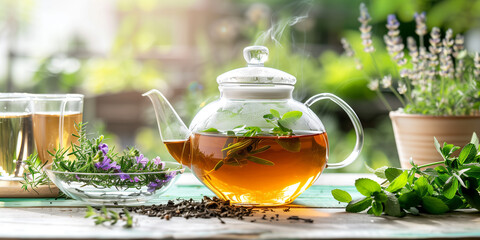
255, 145
256, 177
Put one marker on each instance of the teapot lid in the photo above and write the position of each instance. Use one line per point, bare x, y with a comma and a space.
255, 72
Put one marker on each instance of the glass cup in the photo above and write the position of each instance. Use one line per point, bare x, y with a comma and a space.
55, 117
16, 135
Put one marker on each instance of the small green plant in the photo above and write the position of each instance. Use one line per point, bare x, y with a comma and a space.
110, 216
439, 80
452, 185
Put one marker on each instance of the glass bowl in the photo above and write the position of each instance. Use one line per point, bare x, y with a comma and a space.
116, 188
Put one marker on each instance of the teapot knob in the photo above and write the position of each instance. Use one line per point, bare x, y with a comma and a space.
255, 55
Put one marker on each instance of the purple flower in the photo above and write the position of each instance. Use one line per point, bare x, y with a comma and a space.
104, 148
107, 164
152, 186
124, 176
157, 161
142, 160
158, 183
135, 179
77, 177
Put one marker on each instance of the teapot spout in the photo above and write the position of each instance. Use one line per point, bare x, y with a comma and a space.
170, 125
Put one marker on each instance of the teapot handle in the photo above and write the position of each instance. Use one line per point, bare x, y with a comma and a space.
356, 124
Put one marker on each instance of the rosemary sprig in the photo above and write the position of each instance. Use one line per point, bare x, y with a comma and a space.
110, 216
94, 156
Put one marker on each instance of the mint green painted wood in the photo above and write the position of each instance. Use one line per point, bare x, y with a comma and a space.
315, 196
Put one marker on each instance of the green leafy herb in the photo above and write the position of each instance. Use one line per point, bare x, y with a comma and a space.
110, 216
94, 156
451, 185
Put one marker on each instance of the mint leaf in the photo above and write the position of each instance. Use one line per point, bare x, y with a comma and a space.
423, 187
359, 205
294, 115
341, 196
275, 113
434, 205
380, 196
454, 203
392, 206
474, 140
377, 208
398, 183
268, 116
409, 199
380, 172
437, 146
392, 173
450, 188
212, 130
290, 144
367, 186
473, 170
467, 154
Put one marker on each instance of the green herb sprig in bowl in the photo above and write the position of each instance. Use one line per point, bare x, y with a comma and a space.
452, 184
99, 175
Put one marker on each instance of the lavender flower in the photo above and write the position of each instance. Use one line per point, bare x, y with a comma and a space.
421, 26
373, 85
402, 88
387, 81
394, 41
347, 47
104, 148
141, 160
365, 29
459, 45
435, 40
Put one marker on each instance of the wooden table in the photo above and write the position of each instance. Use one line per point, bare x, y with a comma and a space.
64, 219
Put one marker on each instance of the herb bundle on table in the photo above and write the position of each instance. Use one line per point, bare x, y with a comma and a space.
451, 185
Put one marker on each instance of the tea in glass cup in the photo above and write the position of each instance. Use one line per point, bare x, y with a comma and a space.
16, 134
54, 121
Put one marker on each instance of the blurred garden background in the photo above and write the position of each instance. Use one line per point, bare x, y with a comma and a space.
114, 50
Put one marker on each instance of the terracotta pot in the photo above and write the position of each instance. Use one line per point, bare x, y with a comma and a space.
414, 135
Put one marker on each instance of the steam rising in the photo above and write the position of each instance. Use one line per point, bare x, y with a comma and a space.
275, 32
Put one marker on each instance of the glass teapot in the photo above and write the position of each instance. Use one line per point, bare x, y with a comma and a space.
255, 145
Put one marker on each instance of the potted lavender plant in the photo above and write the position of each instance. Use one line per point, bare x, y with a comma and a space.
437, 87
